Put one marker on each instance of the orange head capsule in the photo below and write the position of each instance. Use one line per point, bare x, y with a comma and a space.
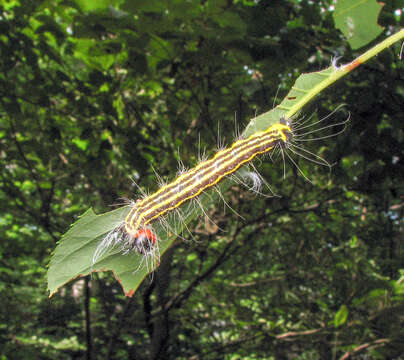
144, 241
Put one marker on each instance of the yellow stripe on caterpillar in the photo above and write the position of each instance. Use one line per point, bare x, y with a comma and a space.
204, 176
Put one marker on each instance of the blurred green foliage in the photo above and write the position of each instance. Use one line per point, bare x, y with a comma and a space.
95, 93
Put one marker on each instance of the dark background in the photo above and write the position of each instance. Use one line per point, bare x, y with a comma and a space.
96, 92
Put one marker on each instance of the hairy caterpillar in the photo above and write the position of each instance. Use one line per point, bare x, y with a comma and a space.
136, 232
207, 174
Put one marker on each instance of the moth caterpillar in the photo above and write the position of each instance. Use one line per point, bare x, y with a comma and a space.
202, 177
136, 231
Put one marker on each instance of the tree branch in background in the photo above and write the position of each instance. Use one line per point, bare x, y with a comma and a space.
373, 344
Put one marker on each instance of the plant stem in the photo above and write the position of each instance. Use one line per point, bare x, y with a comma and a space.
333, 73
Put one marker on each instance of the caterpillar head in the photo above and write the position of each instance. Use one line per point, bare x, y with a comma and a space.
143, 242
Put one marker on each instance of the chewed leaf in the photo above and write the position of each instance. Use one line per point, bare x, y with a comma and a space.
306, 87
73, 255
309, 85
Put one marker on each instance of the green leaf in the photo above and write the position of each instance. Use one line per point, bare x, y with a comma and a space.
306, 87
97, 55
232, 20
398, 285
97, 5
357, 19
81, 144
73, 256
159, 50
154, 6
341, 316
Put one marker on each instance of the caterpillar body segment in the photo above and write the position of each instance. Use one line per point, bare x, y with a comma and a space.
205, 175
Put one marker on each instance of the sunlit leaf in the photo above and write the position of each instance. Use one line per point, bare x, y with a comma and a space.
341, 316
357, 19
94, 5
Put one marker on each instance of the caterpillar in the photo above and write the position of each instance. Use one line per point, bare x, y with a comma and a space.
202, 177
136, 231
